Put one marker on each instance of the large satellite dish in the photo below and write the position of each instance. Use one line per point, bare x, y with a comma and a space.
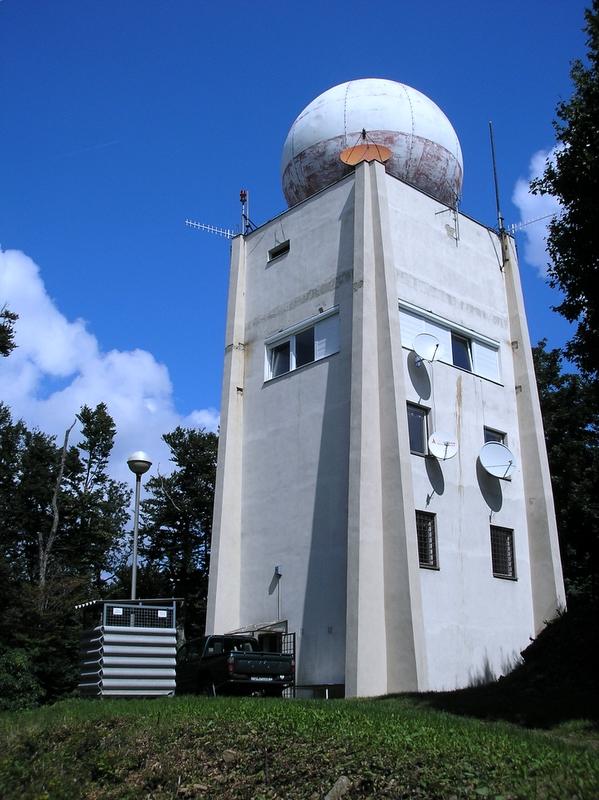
427, 347
442, 445
497, 459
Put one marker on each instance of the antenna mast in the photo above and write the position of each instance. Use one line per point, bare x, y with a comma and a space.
246, 223
497, 205
247, 226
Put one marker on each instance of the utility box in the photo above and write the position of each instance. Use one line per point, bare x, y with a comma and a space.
128, 648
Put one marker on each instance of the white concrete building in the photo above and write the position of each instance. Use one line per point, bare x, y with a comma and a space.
396, 570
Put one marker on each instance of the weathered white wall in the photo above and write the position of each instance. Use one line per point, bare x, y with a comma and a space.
475, 623
282, 491
294, 505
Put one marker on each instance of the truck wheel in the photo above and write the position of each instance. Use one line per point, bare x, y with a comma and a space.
208, 690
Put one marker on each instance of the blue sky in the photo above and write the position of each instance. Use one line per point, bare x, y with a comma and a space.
121, 119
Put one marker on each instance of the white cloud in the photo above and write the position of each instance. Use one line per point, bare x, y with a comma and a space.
58, 366
534, 207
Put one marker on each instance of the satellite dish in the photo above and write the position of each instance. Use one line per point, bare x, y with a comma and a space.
427, 347
442, 445
365, 152
497, 459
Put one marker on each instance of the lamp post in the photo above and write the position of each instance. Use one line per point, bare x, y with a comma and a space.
138, 464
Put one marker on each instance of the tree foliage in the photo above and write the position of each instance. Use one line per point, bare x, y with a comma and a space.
177, 525
61, 519
7, 333
571, 420
573, 177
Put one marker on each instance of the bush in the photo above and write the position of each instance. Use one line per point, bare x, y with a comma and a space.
19, 688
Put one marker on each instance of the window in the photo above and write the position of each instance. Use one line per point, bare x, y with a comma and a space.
427, 540
460, 352
502, 552
303, 344
278, 250
417, 429
492, 435
457, 345
280, 358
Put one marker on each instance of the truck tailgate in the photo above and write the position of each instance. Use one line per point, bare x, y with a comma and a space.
262, 664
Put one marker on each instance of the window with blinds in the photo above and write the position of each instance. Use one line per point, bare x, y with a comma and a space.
302, 344
456, 345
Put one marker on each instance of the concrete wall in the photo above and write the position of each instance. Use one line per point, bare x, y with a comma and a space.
476, 624
290, 454
295, 460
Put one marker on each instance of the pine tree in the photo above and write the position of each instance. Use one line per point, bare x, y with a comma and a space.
177, 524
61, 515
7, 332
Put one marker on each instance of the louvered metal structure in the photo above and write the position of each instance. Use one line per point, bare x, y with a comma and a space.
128, 648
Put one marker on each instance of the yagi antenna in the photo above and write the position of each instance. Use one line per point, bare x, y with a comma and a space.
517, 226
200, 226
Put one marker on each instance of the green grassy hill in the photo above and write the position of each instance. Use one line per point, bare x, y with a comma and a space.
402, 747
234, 748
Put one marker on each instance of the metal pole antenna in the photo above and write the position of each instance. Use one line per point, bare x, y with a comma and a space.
135, 533
499, 216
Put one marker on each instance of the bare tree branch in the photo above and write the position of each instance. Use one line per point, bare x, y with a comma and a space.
164, 489
45, 547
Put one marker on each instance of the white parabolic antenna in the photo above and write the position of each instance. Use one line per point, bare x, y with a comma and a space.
442, 445
427, 347
497, 459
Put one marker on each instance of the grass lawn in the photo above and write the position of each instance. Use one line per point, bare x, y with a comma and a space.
194, 747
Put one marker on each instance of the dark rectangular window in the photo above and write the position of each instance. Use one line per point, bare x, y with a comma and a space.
280, 359
417, 429
427, 540
492, 435
304, 347
502, 552
460, 351
278, 250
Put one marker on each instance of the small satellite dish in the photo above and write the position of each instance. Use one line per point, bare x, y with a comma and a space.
497, 459
365, 152
442, 445
427, 347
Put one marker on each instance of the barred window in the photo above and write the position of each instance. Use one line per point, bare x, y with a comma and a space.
502, 552
427, 540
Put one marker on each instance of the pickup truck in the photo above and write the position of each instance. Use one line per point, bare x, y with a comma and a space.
232, 665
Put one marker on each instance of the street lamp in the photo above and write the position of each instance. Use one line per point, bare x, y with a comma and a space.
138, 463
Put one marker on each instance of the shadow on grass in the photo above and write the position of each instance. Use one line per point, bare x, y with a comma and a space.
556, 683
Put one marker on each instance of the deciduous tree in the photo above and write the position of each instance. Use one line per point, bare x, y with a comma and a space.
571, 420
573, 177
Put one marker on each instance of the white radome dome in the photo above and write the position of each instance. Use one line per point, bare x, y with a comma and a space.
425, 148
